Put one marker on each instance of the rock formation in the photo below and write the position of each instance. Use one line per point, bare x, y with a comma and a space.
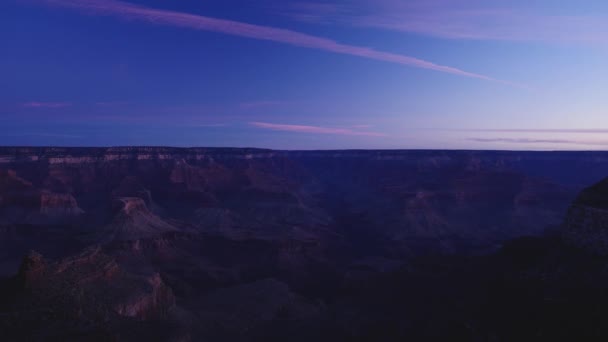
586, 224
133, 221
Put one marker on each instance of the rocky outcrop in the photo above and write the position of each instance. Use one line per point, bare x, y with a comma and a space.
32, 270
586, 225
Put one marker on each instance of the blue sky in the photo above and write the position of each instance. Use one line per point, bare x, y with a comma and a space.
454, 74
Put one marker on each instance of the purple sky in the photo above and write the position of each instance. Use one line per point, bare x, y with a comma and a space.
437, 74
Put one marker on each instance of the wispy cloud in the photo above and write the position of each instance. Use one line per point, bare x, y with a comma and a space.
207, 125
541, 141
46, 104
130, 11
540, 130
464, 19
261, 104
314, 129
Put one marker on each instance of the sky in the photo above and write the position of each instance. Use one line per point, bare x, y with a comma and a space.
310, 74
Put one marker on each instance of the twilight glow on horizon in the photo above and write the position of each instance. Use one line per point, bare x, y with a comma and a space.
309, 74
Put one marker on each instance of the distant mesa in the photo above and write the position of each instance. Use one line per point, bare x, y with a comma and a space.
133, 221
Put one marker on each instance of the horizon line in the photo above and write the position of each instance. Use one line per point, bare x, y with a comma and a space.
295, 150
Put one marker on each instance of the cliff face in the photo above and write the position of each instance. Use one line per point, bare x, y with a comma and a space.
23, 202
59, 205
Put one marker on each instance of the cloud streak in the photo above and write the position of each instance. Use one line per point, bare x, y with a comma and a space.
130, 11
45, 135
314, 129
46, 105
541, 130
540, 141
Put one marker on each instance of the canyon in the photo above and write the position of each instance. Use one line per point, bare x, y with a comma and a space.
182, 244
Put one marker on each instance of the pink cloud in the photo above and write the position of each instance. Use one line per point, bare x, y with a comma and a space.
130, 11
314, 129
46, 104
